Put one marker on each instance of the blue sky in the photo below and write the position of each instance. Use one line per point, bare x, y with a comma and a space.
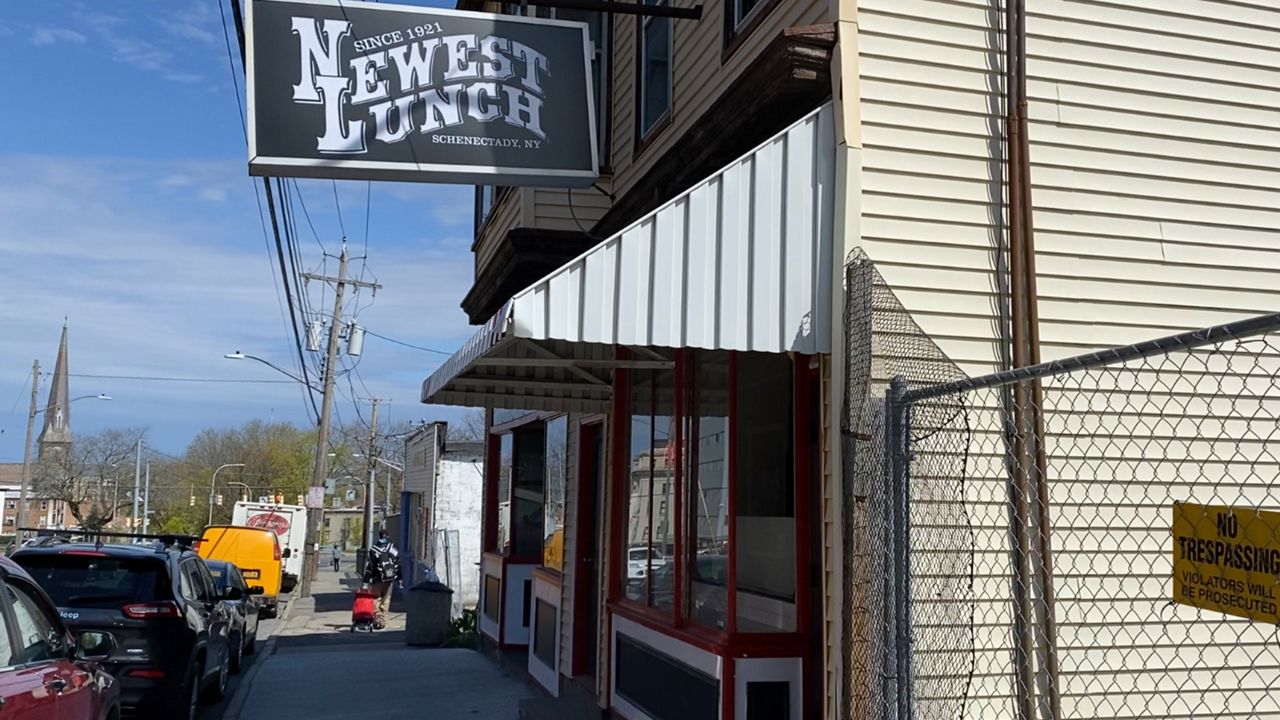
126, 207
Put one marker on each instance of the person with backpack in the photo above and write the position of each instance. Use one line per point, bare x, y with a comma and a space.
381, 570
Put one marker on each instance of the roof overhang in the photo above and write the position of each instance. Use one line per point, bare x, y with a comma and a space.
740, 261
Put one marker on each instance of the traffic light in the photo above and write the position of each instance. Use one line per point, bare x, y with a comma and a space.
192, 502
300, 498
219, 499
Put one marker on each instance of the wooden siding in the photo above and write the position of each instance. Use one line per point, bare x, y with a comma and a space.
699, 75
504, 216
552, 209
1155, 145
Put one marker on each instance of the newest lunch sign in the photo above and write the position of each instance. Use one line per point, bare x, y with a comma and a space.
356, 90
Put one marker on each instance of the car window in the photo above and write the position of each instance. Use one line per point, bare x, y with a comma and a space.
221, 578
209, 593
8, 658
237, 580
191, 582
85, 581
39, 633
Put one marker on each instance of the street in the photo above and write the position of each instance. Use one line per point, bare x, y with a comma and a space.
266, 628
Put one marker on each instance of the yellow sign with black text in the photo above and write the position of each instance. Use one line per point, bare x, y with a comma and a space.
1227, 560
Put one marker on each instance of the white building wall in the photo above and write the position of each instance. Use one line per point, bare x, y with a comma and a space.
458, 507
1155, 134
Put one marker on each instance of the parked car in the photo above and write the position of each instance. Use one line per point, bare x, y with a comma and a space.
256, 551
45, 672
159, 602
639, 560
244, 602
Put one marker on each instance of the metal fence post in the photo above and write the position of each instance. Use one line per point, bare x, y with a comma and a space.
898, 431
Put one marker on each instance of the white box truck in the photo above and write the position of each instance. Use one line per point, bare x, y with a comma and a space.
288, 522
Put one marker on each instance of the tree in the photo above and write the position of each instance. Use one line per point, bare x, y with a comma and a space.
470, 428
86, 476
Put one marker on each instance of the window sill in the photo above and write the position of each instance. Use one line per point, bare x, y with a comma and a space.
645, 141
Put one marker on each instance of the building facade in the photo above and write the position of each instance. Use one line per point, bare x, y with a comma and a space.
665, 357
441, 521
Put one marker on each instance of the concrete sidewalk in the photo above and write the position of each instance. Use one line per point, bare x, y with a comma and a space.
316, 668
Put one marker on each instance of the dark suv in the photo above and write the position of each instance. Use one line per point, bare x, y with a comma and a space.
156, 597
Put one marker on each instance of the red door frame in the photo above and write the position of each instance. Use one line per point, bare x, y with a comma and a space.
589, 430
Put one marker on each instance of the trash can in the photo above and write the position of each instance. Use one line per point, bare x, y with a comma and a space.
428, 607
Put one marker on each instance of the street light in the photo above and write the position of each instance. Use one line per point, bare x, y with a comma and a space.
237, 355
247, 489
26, 445
213, 486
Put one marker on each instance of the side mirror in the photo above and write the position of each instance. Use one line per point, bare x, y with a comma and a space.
287, 552
233, 593
93, 646
256, 590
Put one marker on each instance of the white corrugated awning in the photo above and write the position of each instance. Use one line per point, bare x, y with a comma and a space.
740, 261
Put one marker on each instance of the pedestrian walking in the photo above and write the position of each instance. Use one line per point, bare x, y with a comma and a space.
381, 570
337, 555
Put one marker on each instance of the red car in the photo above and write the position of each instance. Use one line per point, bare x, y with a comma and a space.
45, 673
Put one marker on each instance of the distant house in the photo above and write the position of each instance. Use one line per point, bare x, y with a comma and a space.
442, 511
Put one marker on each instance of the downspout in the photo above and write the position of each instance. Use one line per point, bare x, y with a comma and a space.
1019, 540
1035, 607
1046, 610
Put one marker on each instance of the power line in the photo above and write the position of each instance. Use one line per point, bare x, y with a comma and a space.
284, 277
408, 345
338, 205
157, 378
235, 83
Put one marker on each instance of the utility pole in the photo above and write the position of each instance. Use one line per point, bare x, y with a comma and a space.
26, 448
146, 502
371, 488
137, 487
310, 563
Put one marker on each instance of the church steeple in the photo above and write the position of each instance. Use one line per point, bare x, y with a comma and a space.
57, 414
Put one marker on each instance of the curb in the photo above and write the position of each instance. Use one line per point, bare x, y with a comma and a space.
268, 649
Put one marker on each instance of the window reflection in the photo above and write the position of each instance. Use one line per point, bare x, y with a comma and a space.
556, 467
706, 435
651, 519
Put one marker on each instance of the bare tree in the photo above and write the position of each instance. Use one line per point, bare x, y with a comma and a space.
470, 428
85, 477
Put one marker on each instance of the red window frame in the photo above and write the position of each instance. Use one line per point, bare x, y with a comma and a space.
675, 621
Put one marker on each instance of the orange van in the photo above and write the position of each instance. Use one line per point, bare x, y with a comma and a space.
255, 551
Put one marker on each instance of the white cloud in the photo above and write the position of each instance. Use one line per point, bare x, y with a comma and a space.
161, 267
53, 35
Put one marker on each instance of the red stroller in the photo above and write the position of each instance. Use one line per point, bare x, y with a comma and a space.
364, 612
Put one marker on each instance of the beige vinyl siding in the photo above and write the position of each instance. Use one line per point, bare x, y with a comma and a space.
699, 75
1155, 146
552, 209
1157, 197
502, 218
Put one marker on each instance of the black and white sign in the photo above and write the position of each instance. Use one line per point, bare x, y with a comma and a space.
356, 90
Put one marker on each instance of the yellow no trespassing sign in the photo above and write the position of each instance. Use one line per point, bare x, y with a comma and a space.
1228, 560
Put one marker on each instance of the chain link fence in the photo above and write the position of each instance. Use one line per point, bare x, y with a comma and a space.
1089, 538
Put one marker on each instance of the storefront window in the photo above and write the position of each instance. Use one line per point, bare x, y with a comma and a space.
505, 458
706, 435
527, 493
556, 471
764, 494
651, 532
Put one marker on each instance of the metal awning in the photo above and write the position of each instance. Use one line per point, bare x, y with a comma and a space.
740, 261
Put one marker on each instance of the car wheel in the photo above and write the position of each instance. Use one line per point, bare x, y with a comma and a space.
218, 689
236, 655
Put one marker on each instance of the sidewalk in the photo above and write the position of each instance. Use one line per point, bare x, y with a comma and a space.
316, 668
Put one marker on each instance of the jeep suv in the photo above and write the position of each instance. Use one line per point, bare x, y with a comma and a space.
155, 595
